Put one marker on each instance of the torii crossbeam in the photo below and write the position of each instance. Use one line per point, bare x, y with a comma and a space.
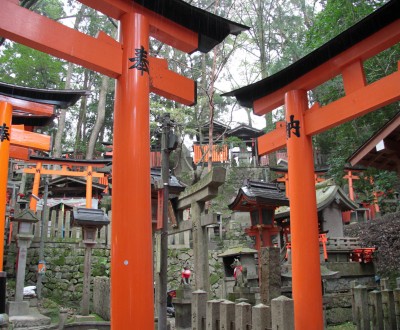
177, 24
343, 55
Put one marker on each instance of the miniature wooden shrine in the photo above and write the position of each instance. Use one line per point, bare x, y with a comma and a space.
221, 152
260, 199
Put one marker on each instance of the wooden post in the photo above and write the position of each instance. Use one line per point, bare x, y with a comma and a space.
35, 188
5, 133
132, 300
89, 184
303, 216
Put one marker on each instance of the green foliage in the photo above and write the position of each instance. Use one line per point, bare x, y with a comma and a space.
20, 65
340, 142
336, 17
384, 183
344, 326
381, 233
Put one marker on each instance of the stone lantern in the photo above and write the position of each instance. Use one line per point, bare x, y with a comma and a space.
260, 199
25, 219
91, 220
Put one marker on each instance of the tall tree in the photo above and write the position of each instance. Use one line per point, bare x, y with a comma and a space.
101, 112
338, 143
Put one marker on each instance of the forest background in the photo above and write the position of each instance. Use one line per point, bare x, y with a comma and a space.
281, 32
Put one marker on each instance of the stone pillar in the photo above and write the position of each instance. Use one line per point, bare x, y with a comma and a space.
199, 303
227, 315
353, 284
384, 284
282, 313
63, 318
270, 274
20, 307
23, 245
213, 314
361, 307
389, 316
85, 305
200, 248
101, 297
396, 294
261, 317
183, 308
242, 316
375, 309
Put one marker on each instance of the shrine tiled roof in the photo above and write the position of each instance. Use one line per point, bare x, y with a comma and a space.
258, 193
60, 98
245, 132
212, 29
367, 155
175, 185
326, 194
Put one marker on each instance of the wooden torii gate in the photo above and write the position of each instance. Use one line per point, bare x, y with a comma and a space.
18, 105
343, 55
13, 136
89, 174
177, 24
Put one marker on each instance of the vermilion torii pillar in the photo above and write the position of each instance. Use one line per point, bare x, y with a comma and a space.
343, 55
175, 23
5, 125
17, 136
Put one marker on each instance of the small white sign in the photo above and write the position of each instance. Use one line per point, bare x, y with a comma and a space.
380, 146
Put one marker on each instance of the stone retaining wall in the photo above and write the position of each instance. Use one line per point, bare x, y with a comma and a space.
63, 281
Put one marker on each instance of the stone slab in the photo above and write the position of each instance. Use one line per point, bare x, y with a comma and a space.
17, 308
32, 319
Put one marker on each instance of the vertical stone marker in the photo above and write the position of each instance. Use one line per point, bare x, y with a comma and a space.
195, 197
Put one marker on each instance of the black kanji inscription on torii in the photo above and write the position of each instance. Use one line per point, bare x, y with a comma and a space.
293, 125
4, 133
140, 60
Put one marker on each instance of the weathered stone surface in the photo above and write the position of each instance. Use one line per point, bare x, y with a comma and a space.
101, 297
338, 315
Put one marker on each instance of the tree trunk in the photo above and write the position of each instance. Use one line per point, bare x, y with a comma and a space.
82, 113
101, 112
57, 148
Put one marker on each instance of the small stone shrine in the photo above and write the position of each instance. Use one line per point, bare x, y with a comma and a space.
240, 274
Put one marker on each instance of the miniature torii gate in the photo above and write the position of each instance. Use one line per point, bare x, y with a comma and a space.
177, 24
344, 56
89, 174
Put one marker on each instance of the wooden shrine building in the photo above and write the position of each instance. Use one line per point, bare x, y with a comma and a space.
381, 150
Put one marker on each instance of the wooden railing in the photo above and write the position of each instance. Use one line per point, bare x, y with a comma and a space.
220, 153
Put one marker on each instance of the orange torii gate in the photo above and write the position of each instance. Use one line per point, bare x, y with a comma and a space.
175, 23
343, 55
19, 105
17, 136
64, 162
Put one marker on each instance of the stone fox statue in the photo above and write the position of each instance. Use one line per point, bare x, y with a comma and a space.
239, 273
